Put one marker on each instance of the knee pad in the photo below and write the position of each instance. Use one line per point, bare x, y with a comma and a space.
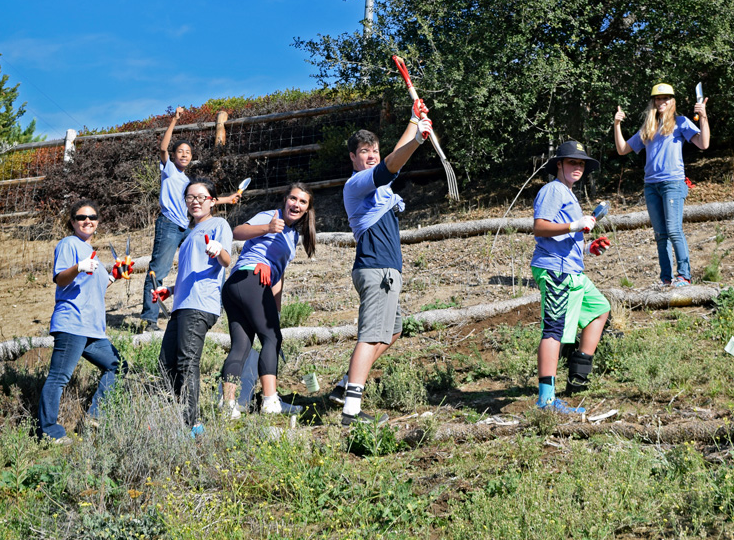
579, 369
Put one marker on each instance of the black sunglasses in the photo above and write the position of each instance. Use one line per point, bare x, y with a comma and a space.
82, 217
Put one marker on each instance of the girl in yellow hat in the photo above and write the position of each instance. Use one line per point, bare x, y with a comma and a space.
662, 135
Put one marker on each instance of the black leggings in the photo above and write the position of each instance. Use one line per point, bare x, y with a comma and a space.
250, 310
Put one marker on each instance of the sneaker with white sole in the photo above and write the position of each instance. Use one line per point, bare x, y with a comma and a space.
337, 394
559, 406
680, 281
231, 409
362, 418
278, 406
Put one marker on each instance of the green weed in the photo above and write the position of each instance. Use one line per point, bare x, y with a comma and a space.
295, 314
402, 386
454, 302
373, 440
411, 326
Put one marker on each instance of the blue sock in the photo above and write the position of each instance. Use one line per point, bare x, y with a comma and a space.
546, 390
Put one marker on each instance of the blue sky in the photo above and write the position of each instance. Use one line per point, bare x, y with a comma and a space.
99, 64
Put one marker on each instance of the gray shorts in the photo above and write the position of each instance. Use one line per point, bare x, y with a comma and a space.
379, 306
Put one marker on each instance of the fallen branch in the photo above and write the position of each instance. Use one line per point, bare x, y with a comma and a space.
711, 432
694, 295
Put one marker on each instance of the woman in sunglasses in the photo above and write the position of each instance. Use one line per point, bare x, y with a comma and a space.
78, 321
202, 261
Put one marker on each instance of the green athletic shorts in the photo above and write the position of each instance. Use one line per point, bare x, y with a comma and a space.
568, 302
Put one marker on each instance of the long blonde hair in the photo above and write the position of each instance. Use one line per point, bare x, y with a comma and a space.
652, 123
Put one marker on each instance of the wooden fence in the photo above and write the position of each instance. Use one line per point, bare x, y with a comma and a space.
24, 167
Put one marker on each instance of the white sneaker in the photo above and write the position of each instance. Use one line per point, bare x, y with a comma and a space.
278, 406
231, 409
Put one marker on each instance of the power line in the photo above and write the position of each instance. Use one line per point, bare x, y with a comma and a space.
23, 79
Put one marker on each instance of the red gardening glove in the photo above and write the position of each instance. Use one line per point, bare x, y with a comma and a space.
689, 183
161, 293
264, 271
598, 246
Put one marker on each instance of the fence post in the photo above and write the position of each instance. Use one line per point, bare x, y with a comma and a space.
221, 132
69, 145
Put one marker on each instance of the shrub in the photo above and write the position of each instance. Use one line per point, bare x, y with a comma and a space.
295, 314
402, 387
373, 440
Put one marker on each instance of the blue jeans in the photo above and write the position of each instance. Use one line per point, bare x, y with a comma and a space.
67, 350
168, 236
180, 356
665, 207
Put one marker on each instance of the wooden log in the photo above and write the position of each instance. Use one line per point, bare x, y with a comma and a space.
465, 229
705, 431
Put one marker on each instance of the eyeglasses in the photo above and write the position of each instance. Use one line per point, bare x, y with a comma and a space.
82, 217
200, 198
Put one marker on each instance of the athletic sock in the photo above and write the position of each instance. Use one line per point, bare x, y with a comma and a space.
546, 390
353, 399
268, 399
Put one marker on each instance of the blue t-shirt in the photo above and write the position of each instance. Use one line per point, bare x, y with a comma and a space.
173, 185
664, 160
199, 279
275, 250
563, 253
370, 204
80, 307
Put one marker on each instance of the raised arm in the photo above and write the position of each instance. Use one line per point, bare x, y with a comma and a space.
169, 133
622, 146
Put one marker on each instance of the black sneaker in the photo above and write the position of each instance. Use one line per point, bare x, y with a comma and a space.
148, 326
363, 418
337, 395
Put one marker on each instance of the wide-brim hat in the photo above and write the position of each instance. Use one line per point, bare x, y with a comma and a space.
571, 149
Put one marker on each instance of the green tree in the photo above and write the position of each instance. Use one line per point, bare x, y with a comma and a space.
503, 79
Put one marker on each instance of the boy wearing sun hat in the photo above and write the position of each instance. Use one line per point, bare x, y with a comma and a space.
569, 299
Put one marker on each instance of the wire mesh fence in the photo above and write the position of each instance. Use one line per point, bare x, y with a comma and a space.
39, 181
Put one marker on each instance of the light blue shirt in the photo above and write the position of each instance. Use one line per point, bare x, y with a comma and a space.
80, 307
173, 185
199, 280
563, 253
664, 159
366, 203
274, 249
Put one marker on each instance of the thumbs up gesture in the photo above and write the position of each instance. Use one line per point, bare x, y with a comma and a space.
619, 116
276, 225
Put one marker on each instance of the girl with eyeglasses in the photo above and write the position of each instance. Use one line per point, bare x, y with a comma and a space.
202, 261
662, 135
172, 225
78, 321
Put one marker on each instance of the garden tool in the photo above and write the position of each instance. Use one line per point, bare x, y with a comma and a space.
450, 175
126, 265
699, 98
164, 309
243, 185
